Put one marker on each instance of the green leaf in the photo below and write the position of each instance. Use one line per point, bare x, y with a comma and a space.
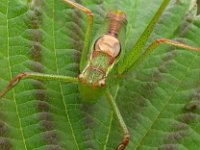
159, 100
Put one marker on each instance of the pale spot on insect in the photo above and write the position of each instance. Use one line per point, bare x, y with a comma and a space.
102, 82
109, 45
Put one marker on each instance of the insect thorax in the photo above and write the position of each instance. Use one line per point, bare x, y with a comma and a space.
105, 52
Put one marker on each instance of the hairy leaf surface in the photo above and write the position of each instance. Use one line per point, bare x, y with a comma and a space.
160, 100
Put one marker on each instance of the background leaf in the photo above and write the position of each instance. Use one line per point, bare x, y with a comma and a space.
160, 100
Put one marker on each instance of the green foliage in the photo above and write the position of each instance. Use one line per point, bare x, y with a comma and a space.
159, 101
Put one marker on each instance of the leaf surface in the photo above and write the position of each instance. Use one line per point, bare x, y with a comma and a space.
159, 100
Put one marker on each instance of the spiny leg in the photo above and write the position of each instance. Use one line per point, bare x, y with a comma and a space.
157, 43
115, 108
135, 53
88, 31
37, 76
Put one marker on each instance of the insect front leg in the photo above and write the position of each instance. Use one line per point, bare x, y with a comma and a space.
37, 76
88, 31
157, 43
120, 119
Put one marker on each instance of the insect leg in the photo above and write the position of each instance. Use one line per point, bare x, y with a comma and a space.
88, 31
37, 76
157, 43
135, 53
115, 108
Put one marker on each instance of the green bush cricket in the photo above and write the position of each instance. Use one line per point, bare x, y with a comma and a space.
105, 53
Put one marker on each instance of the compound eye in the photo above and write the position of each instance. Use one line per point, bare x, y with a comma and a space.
109, 45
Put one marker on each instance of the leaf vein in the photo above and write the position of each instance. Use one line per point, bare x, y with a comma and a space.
11, 76
61, 89
170, 98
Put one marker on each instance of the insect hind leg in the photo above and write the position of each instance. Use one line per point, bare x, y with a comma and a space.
156, 44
